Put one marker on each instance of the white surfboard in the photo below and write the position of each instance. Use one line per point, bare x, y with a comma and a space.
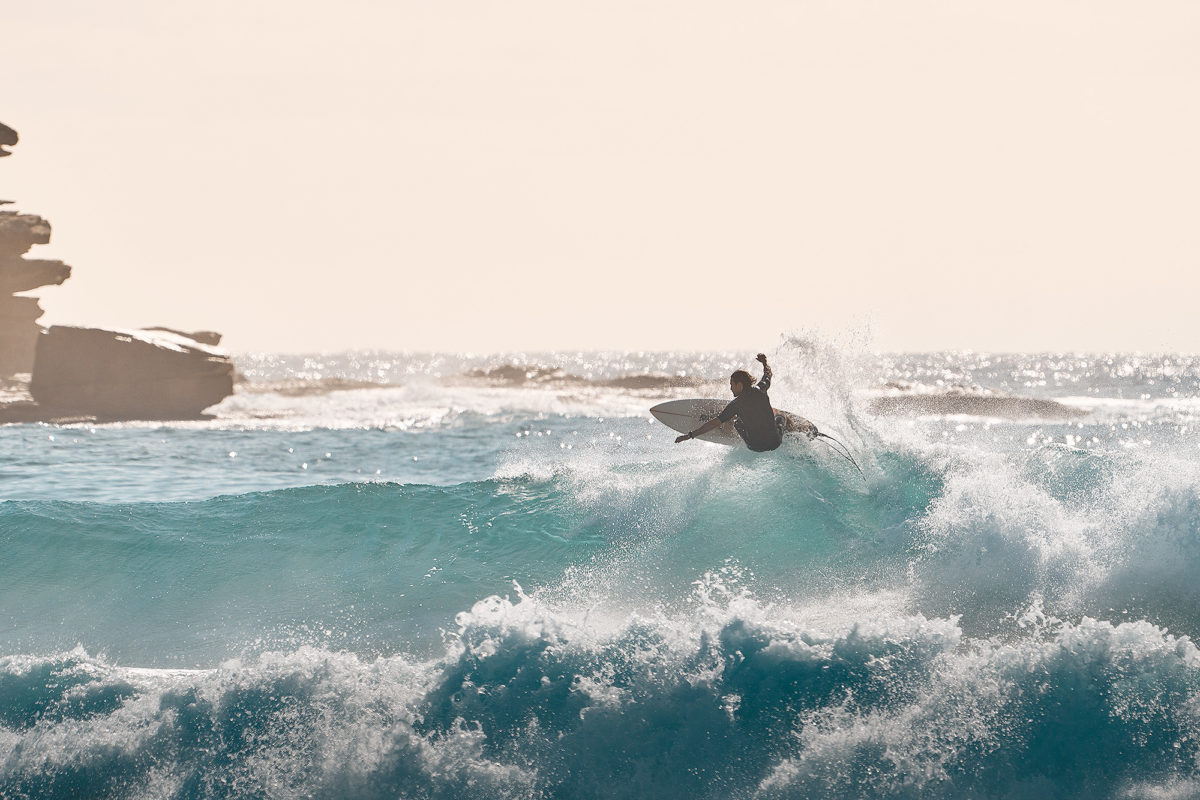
687, 415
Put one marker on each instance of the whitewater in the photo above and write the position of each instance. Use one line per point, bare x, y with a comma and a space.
384, 575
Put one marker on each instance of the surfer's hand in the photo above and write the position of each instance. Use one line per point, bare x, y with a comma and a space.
683, 438
761, 358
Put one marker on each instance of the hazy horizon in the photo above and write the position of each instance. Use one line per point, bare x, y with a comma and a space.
1015, 177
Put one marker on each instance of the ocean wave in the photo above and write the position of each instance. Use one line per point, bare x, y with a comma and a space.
272, 569
736, 699
1103, 534
371, 561
1107, 535
535, 375
715, 624
415, 404
960, 531
297, 387
510, 375
979, 405
1086, 710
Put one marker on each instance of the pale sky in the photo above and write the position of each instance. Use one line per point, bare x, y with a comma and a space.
490, 176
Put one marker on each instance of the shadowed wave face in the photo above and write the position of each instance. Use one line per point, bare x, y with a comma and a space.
457, 589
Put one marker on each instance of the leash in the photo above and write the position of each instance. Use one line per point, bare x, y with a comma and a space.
844, 452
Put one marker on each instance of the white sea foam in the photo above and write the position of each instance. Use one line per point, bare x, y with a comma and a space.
529, 701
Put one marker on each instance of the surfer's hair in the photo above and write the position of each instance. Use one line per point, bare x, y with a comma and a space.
742, 377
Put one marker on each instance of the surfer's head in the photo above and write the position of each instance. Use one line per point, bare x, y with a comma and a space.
740, 381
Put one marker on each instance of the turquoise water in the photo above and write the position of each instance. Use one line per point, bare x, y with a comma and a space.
379, 575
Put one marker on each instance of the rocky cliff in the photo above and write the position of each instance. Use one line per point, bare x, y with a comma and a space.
80, 373
19, 315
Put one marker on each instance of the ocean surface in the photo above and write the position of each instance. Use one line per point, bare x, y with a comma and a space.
380, 575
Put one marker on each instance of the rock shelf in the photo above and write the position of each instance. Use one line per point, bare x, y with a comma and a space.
78, 373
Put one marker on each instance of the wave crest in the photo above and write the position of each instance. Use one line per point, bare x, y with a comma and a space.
739, 699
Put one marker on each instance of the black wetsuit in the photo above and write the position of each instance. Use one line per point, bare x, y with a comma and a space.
756, 421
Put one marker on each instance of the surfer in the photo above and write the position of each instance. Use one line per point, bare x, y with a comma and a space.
754, 418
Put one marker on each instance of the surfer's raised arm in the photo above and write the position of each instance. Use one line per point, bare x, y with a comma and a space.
765, 383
